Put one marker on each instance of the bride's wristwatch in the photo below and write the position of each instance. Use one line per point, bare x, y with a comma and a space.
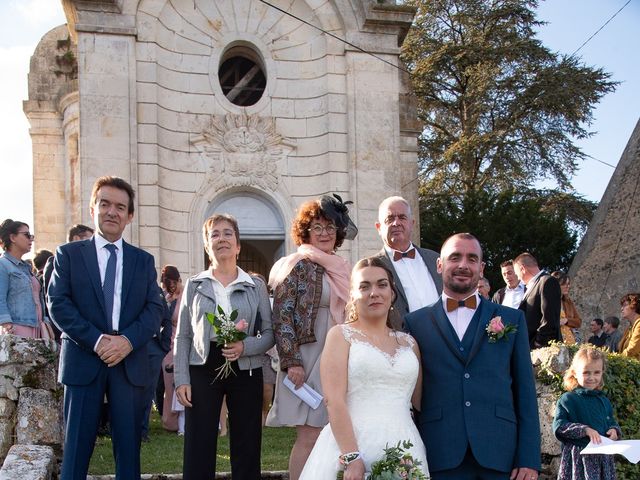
347, 458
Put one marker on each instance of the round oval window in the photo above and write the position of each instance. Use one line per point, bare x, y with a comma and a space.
242, 77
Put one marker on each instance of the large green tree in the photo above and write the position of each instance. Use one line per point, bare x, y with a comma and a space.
501, 113
500, 109
542, 222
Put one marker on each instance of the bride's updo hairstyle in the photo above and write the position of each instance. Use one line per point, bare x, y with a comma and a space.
393, 315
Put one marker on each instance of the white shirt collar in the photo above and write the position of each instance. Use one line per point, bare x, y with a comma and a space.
242, 277
101, 242
518, 287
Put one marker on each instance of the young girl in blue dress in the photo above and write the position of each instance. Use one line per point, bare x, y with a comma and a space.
583, 414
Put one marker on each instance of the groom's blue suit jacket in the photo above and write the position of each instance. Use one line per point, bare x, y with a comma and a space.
482, 396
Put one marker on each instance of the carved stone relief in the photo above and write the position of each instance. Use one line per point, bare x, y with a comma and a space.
242, 150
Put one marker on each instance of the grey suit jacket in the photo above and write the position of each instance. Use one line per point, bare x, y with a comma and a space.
401, 305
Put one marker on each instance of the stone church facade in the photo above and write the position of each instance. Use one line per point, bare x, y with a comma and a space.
222, 106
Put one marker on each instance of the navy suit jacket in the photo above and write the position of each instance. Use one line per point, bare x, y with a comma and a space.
76, 304
486, 400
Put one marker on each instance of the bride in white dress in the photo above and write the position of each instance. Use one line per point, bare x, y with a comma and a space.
370, 377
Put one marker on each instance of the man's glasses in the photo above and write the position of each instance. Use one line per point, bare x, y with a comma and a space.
331, 229
28, 235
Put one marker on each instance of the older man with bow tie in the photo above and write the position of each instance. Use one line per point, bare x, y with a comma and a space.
414, 269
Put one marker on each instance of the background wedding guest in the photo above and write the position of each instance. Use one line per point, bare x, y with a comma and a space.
630, 310
75, 233
512, 293
414, 269
39, 261
598, 336
614, 334
310, 291
21, 296
541, 303
197, 358
157, 348
484, 288
172, 288
570, 321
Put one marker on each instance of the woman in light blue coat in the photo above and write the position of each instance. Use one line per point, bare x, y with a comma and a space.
21, 298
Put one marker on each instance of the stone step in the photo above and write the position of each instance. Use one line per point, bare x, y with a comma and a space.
278, 475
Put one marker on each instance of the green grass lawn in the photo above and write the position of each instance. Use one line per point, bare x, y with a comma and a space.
163, 454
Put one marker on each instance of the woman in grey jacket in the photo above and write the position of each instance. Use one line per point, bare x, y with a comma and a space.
196, 358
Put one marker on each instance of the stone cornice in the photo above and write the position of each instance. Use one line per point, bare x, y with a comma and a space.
99, 16
389, 17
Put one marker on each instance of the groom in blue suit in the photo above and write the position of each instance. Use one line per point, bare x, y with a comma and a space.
479, 415
104, 298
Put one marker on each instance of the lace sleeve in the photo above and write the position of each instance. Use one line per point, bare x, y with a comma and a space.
347, 332
406, 339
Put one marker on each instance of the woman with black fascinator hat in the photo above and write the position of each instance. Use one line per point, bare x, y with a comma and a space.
310, 292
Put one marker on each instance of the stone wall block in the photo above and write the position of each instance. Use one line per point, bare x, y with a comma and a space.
557, 358
546, 410
19, 350
39, 417
7, 422
29, 462
41, 376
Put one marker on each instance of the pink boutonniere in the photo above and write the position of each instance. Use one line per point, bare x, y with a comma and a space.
497, 330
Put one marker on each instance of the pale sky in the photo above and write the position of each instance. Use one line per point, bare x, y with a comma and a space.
571, 22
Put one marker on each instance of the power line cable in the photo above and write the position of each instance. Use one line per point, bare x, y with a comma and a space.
598, 31
336, 37
601, 161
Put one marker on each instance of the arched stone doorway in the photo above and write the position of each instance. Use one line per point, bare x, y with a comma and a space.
262, 231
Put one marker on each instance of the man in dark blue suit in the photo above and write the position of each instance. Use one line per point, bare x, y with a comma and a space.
479, 415
104, 298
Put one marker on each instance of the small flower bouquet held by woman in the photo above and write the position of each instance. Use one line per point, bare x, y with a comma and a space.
397, 464
227, 331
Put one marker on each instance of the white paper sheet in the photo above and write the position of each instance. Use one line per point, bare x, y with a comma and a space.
307, 394
630, 449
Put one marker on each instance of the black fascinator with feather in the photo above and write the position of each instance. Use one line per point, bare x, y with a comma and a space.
334, 209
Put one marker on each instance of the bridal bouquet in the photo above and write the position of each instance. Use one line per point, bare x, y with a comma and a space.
397, 464
227, 331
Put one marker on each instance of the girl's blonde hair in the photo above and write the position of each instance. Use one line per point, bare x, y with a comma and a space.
584, 354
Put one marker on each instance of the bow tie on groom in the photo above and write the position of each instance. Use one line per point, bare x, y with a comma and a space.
469, 302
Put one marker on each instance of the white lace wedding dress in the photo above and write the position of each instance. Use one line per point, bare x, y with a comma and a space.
379, 401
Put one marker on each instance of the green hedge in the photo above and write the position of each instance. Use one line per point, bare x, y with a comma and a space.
622, 386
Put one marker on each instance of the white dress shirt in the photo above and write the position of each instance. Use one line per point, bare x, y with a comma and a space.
460, 318
223, 294
418, 286
513, 296
103, 258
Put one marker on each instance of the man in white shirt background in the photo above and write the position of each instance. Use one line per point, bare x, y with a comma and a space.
414, 269
512, 293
